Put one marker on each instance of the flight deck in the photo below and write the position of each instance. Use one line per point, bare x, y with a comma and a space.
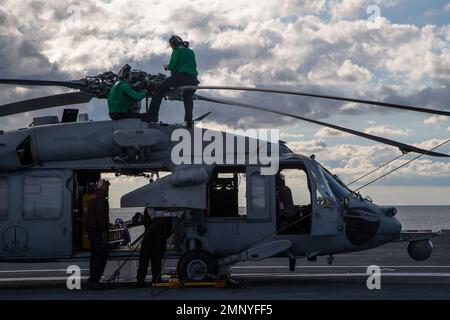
401, 278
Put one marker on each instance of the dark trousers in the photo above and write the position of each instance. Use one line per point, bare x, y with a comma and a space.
99, 254
153, 247
179, 79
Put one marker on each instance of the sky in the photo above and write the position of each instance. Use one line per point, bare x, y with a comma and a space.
389, 50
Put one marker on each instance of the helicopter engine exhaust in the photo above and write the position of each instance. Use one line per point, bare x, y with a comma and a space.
420, 250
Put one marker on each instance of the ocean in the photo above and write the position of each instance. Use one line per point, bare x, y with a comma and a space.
412, 217
424, 217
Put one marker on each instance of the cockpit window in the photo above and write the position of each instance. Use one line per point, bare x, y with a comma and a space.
339, 189
325, 195
284, 149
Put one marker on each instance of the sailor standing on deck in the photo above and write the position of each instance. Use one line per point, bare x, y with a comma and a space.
97, 225
153, 247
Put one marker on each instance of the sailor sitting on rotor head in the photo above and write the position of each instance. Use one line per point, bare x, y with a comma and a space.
123, 100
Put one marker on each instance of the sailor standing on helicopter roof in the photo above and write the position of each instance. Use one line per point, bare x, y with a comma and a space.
122, 98
184, 73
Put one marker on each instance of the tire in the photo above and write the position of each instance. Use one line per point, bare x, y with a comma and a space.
197, 265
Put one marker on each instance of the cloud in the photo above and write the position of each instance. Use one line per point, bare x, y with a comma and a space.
351, 161
314, 46
308, 146
385, 130
328, 71
322, 46
435, 120
347, 10
432, 143
328, 132
447, 7
291, 136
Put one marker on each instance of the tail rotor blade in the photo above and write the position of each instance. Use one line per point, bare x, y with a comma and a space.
45, 102
402, 146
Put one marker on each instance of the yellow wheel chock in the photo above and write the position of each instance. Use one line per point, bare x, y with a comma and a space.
176, 283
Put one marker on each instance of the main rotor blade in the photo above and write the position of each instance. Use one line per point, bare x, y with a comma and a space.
202, 117
402, 146
45, 102
47, 83
297, 93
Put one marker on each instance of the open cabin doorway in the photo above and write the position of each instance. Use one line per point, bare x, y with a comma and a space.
293, 201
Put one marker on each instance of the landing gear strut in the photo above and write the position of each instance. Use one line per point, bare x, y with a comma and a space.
330, 259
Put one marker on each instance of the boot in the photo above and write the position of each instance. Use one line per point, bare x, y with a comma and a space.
95, 286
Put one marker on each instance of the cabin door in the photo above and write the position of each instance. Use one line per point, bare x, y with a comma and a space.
35, 214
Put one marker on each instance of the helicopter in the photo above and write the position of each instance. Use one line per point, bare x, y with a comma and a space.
46, 170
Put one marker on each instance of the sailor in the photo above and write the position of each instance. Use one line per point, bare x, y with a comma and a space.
123, 100
125, 234
153, 247
183, 68
286, 204
97, 226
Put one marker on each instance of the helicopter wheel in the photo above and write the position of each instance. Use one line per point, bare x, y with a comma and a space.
197, 265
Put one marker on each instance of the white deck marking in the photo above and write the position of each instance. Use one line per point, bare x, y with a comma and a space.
36, 279
334, 275
37, 270
280, 275
238, 267
330, 267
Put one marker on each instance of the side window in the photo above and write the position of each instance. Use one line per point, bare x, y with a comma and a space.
258, 191
227, 193
258, 204
42, 198
4, 198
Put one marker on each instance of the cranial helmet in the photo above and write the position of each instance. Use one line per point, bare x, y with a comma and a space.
124, 72
102, 183
176, 40
119, 222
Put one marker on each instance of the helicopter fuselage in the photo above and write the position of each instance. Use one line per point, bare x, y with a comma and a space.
45, 172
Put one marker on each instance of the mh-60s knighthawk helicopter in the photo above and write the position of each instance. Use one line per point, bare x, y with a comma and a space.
46, 170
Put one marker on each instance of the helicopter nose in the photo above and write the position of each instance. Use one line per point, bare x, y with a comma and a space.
391, 228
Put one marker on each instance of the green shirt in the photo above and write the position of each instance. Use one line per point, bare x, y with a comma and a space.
183, 60
122, 97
